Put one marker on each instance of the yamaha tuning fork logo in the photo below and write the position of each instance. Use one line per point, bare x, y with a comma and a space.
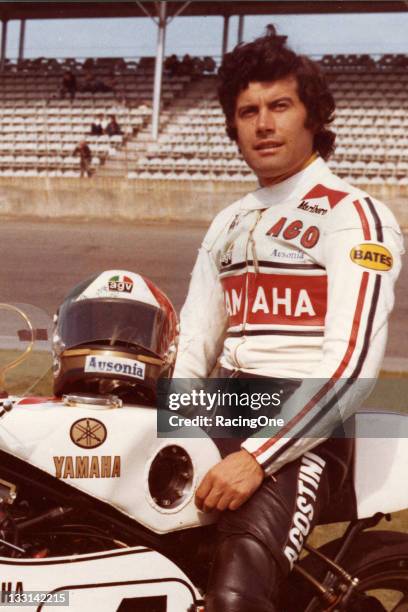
88, 433
122, 285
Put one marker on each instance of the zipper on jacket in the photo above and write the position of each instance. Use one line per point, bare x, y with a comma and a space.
250, 242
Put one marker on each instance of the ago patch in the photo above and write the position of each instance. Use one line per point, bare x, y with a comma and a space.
372, 256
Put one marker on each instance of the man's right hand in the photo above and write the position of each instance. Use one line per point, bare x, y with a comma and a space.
229, 483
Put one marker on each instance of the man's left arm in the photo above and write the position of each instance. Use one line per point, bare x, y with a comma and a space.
360, 299
362, 265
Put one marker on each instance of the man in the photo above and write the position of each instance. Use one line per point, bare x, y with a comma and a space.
68, 85
85, 158
113, 127
98, 126
294, 281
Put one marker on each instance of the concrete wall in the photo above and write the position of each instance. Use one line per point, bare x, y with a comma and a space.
121, 199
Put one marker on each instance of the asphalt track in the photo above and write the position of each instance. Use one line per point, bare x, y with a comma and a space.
41, 261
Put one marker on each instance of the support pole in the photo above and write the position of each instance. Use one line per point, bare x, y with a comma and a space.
21, 41
225, 35
158, 72
240, 28
3, 44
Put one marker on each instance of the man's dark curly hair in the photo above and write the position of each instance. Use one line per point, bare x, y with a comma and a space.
268, 59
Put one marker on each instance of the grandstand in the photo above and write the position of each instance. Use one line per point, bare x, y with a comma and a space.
39, 130
192, 169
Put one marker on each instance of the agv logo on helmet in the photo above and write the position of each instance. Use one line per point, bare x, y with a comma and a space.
122, 284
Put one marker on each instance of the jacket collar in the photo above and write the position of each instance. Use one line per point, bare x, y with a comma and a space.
292, 188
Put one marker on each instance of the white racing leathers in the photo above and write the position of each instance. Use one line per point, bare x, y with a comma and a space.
295, 281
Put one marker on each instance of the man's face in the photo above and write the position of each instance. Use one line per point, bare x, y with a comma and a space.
270, 121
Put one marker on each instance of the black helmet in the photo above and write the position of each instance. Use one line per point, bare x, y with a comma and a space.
116, 333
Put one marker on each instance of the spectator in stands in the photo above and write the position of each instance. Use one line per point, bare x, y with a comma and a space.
209, 64
83, 151
172, 64
89, 64
95, 85
187, 65
68, 85
113, 127
198, 67
98, 126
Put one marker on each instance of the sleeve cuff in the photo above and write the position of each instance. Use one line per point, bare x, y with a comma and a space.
252, 445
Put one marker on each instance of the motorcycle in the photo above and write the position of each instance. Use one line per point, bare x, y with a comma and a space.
97, 512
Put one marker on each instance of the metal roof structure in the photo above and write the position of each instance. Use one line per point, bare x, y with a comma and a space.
194, 8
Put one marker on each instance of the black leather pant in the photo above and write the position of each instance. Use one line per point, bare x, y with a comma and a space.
259, 542
244, 577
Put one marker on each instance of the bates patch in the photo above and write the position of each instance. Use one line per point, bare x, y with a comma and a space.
372, 256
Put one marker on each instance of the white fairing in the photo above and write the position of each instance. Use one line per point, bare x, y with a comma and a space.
39, 433
381, 463
102, 581
117, 470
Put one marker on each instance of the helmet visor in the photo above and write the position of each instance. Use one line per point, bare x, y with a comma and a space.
111, 322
